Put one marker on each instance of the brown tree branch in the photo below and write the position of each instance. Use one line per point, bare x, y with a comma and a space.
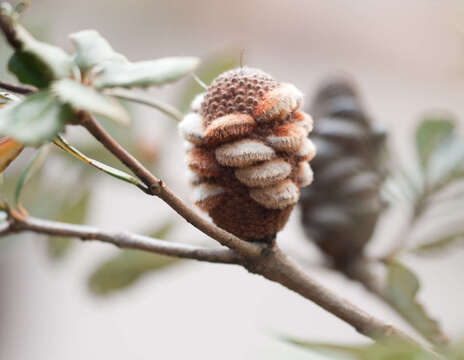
8, 29
276, 266
120, 239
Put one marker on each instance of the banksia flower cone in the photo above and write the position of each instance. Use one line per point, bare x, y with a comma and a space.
341, 208
248, 152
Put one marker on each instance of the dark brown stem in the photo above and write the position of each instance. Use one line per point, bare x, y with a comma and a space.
8, 29
17, 89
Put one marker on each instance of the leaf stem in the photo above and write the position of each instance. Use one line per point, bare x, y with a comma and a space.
118, 174
166, 109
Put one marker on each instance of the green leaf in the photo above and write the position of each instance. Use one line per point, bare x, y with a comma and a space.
125, 268
29, 171
382, 350
207, 71
443, 244
38, 63
36, 120
92, 49
162, 231
118, 174
82, 97
402, 288
145, 73
455, 351
446, 164
29, 70
430, 134
75, 213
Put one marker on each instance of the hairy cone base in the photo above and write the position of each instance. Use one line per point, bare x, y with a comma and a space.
247, 143
340, 210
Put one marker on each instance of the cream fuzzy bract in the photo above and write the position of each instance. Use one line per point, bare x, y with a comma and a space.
191, 128
265, 174
305, 174
243, 153
277, 196
307, 150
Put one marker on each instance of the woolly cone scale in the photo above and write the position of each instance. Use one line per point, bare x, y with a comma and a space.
247, 152
341, 208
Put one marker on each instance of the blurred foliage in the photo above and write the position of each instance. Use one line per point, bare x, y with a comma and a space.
128, 266
33, 166
74, 212
383, 350
441, 245
402, 288
440, 152
86, 98
386, 350
73, 81
430, 135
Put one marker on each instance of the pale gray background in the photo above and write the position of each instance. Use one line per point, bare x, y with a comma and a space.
407, 57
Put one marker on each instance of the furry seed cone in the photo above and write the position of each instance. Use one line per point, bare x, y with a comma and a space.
341, 208
248, 152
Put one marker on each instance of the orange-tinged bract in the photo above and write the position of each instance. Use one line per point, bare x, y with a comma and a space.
248, 151
9, 148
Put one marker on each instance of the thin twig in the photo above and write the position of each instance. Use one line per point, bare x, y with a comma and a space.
166, 109
121, 239
17, 89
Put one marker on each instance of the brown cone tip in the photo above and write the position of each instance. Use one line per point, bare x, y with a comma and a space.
236, 91
239, 134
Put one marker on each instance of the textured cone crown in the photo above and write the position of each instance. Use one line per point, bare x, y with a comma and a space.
246, 151
236, 91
